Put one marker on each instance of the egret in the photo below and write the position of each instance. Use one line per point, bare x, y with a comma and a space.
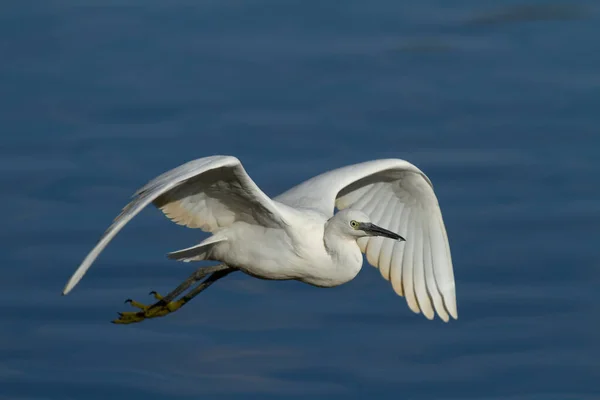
386, 209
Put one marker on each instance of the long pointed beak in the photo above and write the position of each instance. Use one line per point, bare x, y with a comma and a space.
375, 230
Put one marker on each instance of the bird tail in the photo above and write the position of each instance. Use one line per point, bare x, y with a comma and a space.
198, 252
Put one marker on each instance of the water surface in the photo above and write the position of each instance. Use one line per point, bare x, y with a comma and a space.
496, 101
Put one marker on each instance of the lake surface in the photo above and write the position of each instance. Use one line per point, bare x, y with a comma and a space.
497, 101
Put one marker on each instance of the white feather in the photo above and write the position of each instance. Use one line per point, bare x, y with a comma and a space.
284, 237
413, 211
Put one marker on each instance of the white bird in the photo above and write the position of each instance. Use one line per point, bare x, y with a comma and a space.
297, 235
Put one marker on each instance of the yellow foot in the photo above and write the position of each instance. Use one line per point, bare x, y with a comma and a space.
158, 309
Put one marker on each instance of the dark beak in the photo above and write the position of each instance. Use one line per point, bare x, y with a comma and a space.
375, 230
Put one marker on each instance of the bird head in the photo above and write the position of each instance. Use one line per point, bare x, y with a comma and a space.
357, 224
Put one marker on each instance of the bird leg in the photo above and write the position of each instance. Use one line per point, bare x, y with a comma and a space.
165, 305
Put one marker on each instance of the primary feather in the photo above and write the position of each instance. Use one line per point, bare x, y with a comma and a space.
208, 193
400, 197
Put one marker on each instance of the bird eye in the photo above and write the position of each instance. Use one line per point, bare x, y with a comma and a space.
354, 224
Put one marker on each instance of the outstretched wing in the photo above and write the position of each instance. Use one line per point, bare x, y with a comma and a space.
206, 193
397, 196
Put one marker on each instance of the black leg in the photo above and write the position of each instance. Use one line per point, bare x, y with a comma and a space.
165, 305
215, 276
195, 277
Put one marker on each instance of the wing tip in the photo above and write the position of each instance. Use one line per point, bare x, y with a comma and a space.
426, 308
449, 298
412, 305
453, 313
444, 316
78, 274
450, 312
69, 286
429, 315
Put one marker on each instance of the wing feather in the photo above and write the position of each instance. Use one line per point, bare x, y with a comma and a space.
374, 244
408, 260
400, 197
443, 271
387, 249
419, 271
378, 191
397, 265
209, 193
429, 261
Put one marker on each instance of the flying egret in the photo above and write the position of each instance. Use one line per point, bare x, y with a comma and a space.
297, 235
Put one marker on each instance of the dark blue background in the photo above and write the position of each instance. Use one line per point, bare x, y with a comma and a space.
498, 103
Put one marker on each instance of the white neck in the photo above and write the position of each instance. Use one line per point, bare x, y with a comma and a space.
344, 251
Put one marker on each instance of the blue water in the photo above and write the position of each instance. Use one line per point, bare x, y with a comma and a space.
498, 103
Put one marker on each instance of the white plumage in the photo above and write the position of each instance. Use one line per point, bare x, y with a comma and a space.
297, 235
